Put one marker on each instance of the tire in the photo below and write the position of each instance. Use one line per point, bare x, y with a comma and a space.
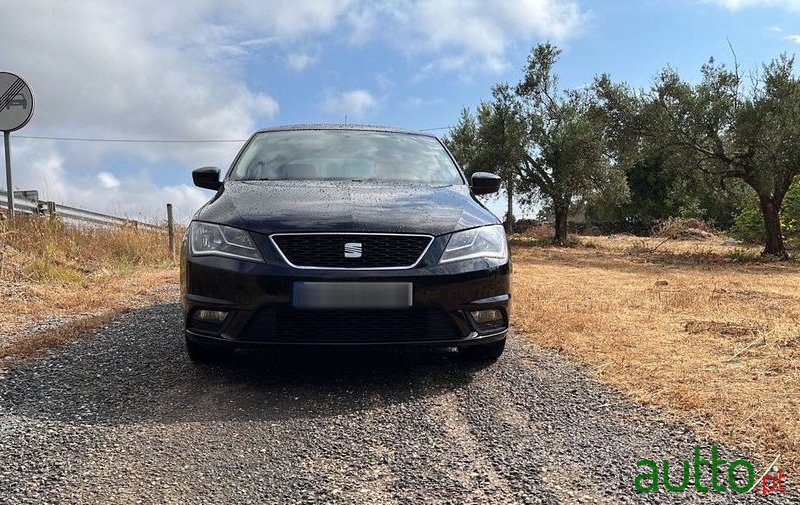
207, 355
483, 353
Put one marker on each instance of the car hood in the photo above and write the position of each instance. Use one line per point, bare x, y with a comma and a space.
325, 206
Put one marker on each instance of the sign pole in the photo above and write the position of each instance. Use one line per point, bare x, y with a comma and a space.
9, 186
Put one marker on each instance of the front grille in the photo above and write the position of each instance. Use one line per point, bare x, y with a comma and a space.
289, 325
312, 250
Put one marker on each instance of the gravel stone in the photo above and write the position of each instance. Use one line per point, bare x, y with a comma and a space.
124, 417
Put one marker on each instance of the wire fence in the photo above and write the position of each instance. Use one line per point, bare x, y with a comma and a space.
28, 203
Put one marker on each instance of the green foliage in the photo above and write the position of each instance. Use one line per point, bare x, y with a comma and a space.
790, 216
743, 256
494, 140
749, 225
659, 190
462, 140
501, 134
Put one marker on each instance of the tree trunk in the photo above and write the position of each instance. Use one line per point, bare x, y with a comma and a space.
774, 242
561, 212
510, 209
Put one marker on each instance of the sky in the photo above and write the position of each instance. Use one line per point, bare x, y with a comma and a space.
218, 70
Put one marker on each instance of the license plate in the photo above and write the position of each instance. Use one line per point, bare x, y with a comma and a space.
352, 295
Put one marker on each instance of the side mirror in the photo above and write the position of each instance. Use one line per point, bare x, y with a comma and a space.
484, 183
207, 177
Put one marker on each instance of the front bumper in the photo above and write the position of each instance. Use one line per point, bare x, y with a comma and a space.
258, 300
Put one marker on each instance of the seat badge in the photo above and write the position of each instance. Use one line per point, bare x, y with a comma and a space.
352, 250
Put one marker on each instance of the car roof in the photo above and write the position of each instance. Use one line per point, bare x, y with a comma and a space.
344, 127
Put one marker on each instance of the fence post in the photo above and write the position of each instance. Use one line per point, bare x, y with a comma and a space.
51, 210
171, 231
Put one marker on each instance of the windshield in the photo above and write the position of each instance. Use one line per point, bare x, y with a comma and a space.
346, 155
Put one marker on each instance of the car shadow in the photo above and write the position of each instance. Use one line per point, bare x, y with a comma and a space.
136, 370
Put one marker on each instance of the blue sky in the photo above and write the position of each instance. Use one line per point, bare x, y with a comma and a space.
206, 69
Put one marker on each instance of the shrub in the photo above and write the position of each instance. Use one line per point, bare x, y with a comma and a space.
681, 227
743, 256
40, 249
749, 225
536, 231
526, 241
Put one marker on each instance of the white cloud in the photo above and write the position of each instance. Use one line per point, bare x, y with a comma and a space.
107, 180
355, 103
793, 38
135, 197
742, 4
144, 69
463, 34
299, 61
776, 29
416, 102
157, 69
362, 25
384, 82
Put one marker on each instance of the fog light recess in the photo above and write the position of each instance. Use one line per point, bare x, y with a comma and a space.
486, 317
211, 316
488, 320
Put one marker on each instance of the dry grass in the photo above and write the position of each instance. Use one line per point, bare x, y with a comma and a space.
688, 228
57, 281
683, 326
38, 249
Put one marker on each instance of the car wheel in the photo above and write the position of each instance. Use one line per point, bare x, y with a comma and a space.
207, 355
484, 353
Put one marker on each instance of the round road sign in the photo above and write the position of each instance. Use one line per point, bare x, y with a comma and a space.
16, 102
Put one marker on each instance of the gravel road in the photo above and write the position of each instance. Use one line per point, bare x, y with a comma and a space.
123, 417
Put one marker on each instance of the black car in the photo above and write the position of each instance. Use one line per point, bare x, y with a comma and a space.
345, 235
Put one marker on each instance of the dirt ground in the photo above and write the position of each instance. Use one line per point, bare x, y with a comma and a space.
35, 316
680, 325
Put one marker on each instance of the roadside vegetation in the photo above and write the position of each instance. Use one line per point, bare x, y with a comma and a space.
56, 279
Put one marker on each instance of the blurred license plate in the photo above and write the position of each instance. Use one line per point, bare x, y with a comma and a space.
352, 295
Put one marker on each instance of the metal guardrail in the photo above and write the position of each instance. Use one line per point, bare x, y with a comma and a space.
22, 205
29, 206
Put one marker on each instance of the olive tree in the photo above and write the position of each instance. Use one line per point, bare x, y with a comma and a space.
566, 153
724, 126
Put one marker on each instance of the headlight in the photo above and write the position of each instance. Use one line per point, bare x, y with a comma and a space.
484, 242
214, 240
